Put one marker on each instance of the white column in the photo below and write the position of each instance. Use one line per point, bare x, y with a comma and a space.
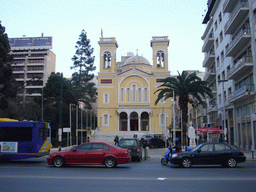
139, 118
128, 123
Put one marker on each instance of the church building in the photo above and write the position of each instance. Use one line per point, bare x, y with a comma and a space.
126, 99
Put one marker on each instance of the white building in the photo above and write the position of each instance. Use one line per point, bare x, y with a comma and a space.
230, 67
33, 63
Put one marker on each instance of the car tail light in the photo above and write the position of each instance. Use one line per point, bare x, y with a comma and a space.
138, 150
243, 152
127, 152
148, 142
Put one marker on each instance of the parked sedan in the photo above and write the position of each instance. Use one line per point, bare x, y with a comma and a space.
154, 142
133, 145
210, 153
93, 153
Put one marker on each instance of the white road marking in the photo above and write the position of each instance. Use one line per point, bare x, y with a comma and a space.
134, 178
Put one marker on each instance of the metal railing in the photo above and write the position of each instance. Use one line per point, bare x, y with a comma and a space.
241, 62
242, 31
235, 11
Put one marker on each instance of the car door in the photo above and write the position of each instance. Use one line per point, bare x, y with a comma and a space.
80, 155
221, 152
97, 153
204, 155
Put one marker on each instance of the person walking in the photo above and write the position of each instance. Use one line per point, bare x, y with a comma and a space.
116, 140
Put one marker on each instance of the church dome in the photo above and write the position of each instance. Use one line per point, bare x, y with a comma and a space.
136, 60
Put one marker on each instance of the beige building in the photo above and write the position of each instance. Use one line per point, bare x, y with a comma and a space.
33, 63
126, 99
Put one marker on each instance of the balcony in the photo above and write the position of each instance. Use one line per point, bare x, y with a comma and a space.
209, 59
214, 90
208, 42
237, 16
242, 38
244, 65
212, 108
210, 75
243, 93
229, 5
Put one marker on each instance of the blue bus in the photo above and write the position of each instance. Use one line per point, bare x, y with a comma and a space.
24, 139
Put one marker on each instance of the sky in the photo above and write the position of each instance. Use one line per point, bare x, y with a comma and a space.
131, 22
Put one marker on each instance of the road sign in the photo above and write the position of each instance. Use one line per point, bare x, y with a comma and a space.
66, 130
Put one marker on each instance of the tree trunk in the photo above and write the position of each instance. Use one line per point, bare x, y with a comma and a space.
183, 102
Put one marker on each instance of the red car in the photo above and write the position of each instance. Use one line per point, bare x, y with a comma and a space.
93, 153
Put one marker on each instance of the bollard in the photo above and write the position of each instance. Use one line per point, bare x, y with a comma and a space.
145, 153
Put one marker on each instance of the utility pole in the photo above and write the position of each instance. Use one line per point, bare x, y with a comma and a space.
224, 109
174, 118
60, 112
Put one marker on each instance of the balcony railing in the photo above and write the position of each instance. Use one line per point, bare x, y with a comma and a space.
236, 38
234, 14
241, 91
209, 58
210, 73
208, 42
240, 63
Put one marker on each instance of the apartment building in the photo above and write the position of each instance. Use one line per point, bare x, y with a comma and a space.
33, 63
230, 68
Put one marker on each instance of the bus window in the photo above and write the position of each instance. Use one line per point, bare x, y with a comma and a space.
15, 133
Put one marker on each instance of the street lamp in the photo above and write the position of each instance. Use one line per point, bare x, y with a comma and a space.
224, 109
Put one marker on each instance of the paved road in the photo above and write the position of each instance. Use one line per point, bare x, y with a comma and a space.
148, 175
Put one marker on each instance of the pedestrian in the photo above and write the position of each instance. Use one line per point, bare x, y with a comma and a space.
116, 140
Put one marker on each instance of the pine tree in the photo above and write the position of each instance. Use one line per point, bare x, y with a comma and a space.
84, 62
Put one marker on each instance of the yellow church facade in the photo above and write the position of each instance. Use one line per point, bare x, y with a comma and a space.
126, 99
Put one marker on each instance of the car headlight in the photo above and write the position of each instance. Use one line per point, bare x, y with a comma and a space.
174, 155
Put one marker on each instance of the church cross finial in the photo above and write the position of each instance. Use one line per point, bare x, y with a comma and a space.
137, 50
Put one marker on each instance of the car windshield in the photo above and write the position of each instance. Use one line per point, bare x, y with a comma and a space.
195, 149
127, 142
115, 146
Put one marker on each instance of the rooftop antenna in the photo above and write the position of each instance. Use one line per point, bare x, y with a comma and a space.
101, 32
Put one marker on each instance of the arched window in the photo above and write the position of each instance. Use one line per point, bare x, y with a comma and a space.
139, 95
122, 95
160, 58
134, 93
146, 95
107, 60
128, 95
106, 98
105, 121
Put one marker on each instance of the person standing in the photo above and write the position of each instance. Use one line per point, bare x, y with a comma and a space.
116, 140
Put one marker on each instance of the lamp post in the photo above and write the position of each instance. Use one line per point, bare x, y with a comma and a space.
174, 116
224, 109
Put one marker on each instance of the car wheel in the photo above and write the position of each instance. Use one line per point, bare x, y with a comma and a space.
110, 162
58, 161
231, 162
186, 163
164, 161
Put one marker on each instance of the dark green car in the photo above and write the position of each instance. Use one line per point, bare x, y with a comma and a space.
134, 145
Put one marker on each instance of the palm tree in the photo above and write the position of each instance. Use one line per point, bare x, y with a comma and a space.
186, 86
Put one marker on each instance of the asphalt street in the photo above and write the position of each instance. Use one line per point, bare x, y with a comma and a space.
147, 175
